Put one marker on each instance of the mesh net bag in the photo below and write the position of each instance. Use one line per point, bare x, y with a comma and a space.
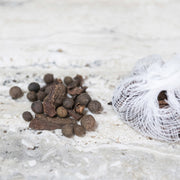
148, 99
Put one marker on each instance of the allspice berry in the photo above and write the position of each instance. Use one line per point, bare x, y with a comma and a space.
62, 112
34, 87
95, 107
15, 92
68, 103
48, 78
37, 107
32, 96
68, 80
79, 130
41, 95
68, 130
27, 116
83, 99
88, 122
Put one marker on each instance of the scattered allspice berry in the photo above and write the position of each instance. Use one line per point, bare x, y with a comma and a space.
15, 92
32, 96
27, 116
83, 99
68, 130
79, 130
68, 80
95, 107
41, 95
62, 112
48, 78
34, 87
88, 122
68, 103
37, 107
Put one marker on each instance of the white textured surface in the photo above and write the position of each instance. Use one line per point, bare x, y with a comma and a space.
109, 36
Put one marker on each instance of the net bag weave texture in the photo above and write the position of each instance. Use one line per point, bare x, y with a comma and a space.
148, 99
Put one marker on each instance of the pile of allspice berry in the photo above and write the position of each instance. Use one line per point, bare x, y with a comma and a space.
60, 105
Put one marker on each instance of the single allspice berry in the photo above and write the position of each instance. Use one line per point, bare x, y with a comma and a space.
34, 87
68, 130
88, 122
32, 96
27, 116
37, 107
68, 80
79, 130
83, 99
62, 112
48, 78
15, 92
68, 103
41, 95
95, 107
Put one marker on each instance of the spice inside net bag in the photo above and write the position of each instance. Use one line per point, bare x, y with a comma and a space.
148, 99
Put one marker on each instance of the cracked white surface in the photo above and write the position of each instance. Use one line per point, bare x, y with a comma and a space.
100, 40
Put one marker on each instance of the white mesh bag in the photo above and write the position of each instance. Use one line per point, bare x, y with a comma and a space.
148, 99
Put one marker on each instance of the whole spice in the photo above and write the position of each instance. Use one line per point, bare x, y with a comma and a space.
95, 106
15, 92
88, 122
41, 95
27, 116
68, 130
32, 96
77, 90
34, 87
48, 78
43, 122
37, 107
79, 130
62, 112
68, 103
68, 80
58, 91
83, 99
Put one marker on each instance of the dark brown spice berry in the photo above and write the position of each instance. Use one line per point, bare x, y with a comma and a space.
88, 122
34, 87
62, 112
79, 79
83, 99
95, 107
37, 107
68, 130
41, 95
68, 80
162, 95
48, 78
32, 96
15, 92
79, 130
68, 103
27, 116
